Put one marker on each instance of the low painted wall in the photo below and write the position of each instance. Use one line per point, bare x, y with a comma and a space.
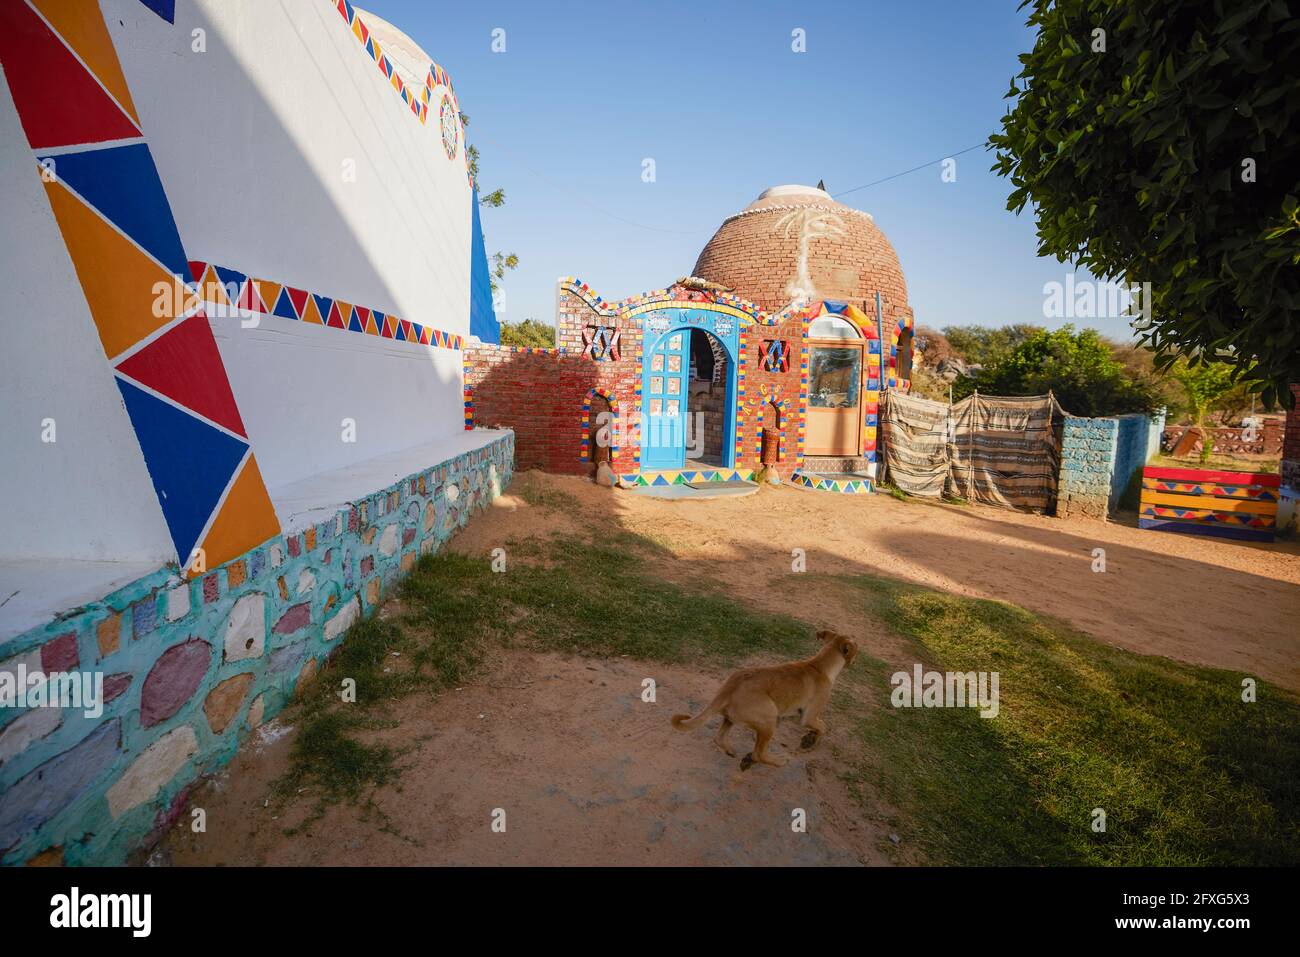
190, 667
1137, 439
1088, 449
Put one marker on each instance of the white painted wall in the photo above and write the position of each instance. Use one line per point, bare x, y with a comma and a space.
87, 495
251, 139
296, 384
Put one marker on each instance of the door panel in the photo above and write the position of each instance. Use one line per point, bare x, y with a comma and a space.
834, 400
663, 402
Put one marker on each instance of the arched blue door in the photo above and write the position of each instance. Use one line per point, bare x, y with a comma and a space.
665, 368
663, 402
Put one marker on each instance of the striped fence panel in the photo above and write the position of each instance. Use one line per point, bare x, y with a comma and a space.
1240, 505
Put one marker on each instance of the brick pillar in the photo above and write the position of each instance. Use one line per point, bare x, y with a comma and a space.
1291, 442
1088, 448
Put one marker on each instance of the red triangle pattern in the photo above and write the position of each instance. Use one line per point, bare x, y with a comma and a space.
184, 365
58, 101
298, 297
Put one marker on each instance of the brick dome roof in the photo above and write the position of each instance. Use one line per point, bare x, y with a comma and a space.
759, 251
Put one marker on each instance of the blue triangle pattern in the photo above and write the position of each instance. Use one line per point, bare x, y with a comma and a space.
229, 278
122, 183
189, 462
284, 306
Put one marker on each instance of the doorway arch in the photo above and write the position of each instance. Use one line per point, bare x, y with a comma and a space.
674, 435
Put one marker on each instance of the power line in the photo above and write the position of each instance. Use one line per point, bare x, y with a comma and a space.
578, 197
906, 171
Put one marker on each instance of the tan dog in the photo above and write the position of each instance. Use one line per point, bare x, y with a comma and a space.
758, 697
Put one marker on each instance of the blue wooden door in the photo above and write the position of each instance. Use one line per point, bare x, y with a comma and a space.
663, 402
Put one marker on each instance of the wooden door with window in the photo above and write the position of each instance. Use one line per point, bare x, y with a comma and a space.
834, 398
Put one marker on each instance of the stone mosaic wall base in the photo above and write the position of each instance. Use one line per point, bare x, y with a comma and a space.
190, 667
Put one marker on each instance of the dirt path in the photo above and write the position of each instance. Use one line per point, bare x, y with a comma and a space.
1206, 601
587, 773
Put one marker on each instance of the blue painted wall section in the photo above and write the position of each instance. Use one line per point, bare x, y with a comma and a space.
192, 667
1137, 440
482, 314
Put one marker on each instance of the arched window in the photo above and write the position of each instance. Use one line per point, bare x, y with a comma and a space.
904, 357
832, 327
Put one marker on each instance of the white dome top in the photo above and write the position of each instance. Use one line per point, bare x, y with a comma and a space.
794, 190
407, 56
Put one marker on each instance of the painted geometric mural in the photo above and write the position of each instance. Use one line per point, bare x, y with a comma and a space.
105, 193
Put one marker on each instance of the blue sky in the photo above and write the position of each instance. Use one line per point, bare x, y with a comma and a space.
712, 91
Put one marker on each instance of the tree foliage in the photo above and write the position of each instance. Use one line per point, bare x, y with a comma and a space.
1078, 367
981, 345
529, 332
501, 262
1203, 383
1159, 142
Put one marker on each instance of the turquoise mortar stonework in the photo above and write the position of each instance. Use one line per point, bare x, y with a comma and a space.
191, 667
1087, 464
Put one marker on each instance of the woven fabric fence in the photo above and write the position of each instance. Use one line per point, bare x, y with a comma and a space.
994, 450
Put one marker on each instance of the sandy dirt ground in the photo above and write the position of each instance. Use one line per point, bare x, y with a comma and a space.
588, 773
584, 770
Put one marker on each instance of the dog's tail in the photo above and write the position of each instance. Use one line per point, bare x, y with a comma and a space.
684, 722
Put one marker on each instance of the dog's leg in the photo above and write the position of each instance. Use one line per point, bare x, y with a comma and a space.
762, 735
720, 739
814, 723
816, 728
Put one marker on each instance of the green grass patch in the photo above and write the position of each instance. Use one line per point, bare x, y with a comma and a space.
566, 593
594, 596
1187, 773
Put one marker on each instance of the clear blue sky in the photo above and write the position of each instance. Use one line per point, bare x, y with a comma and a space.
713, 93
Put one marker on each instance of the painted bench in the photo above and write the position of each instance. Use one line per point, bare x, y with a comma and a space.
1222, 504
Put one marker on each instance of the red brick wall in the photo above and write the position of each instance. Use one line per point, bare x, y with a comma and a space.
762, 386
540, 393
1291, 444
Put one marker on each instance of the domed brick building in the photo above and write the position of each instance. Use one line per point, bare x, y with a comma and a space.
774, 352
796, 242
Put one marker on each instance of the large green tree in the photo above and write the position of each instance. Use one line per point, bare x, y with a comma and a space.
1159, 142
1079, 368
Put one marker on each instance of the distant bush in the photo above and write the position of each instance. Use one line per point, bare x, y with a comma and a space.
529, 332
1079, 368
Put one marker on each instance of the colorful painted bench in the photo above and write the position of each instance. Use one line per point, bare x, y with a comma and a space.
1240, 505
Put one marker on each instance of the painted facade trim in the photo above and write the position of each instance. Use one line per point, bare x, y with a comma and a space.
119, 230
234, 294
417, 103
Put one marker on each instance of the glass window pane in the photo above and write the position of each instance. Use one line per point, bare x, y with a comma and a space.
834, 376
832, 327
